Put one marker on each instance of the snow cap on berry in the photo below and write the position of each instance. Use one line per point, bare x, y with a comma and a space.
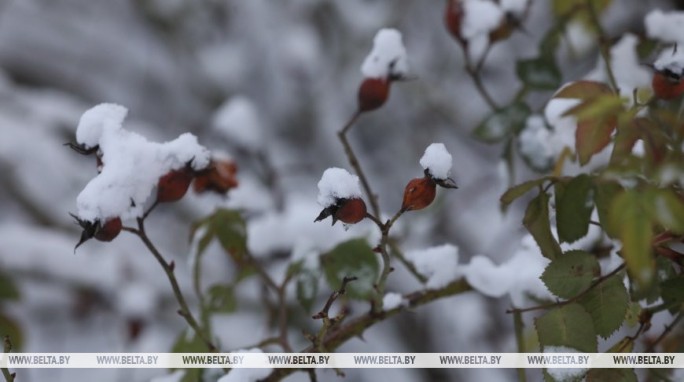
132, 165
388, 57
670, 61
93, 123
437, 161
337, 183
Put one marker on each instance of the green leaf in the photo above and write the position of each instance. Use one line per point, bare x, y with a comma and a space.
573, 208
632, 220
669, 211
8, 290
607, 304
521, 189
536, 221
352, 258
221, 298
503, 123
10, 327
570, 326
673, 293
570, 274
605, 193
231, 231
602, 375
539, 73
633, 313
188, 342
583, 90
307, 289
597, 107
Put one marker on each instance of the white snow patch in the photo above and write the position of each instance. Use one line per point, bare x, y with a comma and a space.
388, 57
665, 26
392, 300
246, 375
238, 121
480, 17
518, 277
437, 161
95, 121
534, 143
137, 299
337, 183
132, 164
439, 264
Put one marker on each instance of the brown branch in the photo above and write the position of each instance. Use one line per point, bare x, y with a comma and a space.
396, 252
570, 300
168, 268
7, 347
357, 326
354, 162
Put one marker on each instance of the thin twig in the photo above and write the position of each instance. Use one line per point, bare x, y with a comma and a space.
570, 300
479, 85
7, 347
312, 375
354, 162
168, 268
323, 313
396, 252
603, 39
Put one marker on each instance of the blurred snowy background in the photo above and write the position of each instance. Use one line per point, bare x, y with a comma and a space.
290, 70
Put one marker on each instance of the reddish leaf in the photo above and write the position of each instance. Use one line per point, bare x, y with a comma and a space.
592, 136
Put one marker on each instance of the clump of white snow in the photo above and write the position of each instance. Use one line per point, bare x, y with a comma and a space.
388, 57
665, 26
670, 60
480, 18
176, 376
437, 161
95, 121
439, 264
132, 165
518, 276
238, 121
534, 143
392, 300
246, 375
337, 183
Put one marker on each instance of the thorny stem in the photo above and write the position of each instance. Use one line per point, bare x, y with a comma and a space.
354, 162
168, 267
7, 347
603, 39
339, 335
571, 300
334, 296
